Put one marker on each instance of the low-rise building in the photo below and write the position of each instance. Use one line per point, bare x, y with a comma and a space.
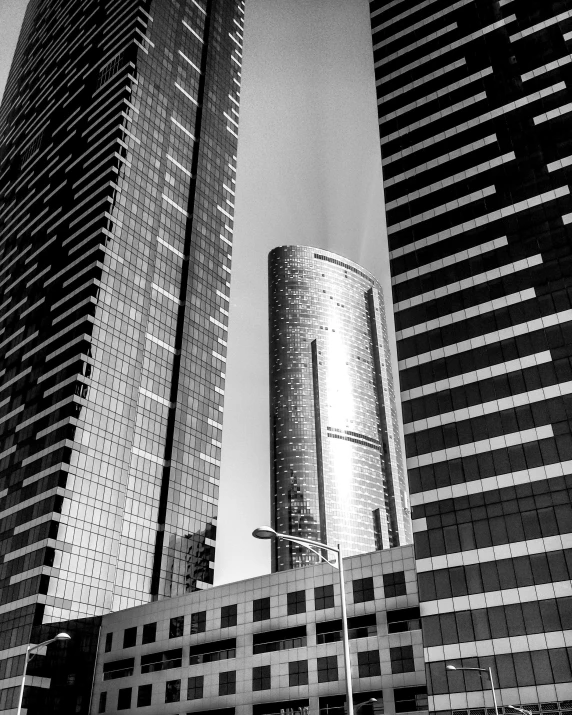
270, 644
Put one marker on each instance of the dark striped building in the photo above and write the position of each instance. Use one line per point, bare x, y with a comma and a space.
118, 136
475, 120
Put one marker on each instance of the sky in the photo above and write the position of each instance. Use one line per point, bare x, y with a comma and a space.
309, 173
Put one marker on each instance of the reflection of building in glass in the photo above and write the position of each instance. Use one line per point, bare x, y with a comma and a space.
475, 122
336, 456
117, 169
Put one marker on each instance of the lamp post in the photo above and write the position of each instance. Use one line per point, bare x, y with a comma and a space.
519, 710
487, 671
30, 650
267, 532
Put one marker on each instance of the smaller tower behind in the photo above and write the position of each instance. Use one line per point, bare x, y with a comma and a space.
336, 460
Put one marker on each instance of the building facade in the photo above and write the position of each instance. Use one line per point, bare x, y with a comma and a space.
474, 117
270, 645
118, 156
336, 453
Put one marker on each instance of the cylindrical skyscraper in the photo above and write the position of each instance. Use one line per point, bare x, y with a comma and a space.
336, 456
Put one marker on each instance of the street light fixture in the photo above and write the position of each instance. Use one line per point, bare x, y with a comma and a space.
30, 650
519, 710
267, 532
487, 671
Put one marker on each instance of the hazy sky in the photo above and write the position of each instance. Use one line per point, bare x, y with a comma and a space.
309, 172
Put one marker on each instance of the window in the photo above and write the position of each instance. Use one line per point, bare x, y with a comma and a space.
283, 639
296, 602
324, 597
215, 650
172, 691
410, 699
144, 695
124, 699
108, 642
102, 702
327, 669
195, 687
118, 669
198, 622
176, 626
227, 683
368, 664
261, 677
358, 627
129, 637
164, 660
405, 619
402, 659
363, 590
228, 616
394, 584
298, 672
261, 609
149, 633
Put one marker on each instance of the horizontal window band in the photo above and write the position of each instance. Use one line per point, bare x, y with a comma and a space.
491, 407
541, 26
416, 45
485, 445
451, 180
432, 118
495, 553
553, 114
421, 82
449, 47
496, 336
504, 212
450, 260
466, 314
392, 37
475, 122
546, 68
488, 484
440, 160
440, 210
467, 283
485, 373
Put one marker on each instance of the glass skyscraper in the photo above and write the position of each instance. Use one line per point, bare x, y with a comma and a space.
117, 170
475, 123
336, 459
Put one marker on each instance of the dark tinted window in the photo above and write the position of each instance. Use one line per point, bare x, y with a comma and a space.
227, 683
296, 602
261, 609
228, 616
394, 584
298, 672
124, 699
402, 659
108, 642
261, 677
149, 633
327, 669
102, 702
195, 687
404, 619
363, 590
172, 691
144, 695
176, 626
129, 637
198, 622
368, 664
410, 699
324, 597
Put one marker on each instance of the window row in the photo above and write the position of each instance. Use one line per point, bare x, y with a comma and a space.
369, 666
519, 572
499, 530
363, 591
517, 619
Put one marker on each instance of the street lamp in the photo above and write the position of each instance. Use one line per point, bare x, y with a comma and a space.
29, 650
487, 671
267, 532
519, 710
